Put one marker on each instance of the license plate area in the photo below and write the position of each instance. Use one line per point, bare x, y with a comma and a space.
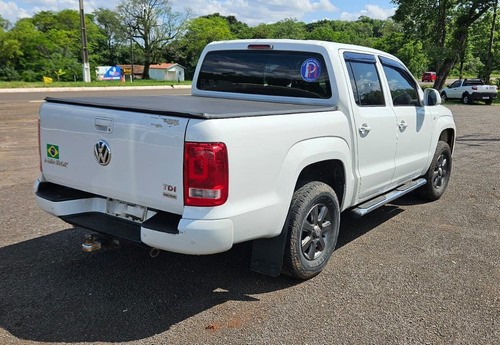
486, 97
124, 210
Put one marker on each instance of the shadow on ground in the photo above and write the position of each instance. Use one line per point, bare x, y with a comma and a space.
50, 291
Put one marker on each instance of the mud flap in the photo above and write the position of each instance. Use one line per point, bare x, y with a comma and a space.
267, 254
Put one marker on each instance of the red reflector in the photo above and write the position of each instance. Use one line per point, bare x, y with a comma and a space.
474, 88
260, 46
206, 179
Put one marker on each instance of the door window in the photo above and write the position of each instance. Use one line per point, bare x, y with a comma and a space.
365, 81
401, 84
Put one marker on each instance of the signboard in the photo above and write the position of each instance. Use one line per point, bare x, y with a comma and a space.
108, 72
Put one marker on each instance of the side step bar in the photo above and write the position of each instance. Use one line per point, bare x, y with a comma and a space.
373, 204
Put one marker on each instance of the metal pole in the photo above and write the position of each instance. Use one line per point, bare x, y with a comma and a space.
131, 60
85, 52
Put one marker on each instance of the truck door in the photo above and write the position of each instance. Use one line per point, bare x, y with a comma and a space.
375, 125
413, 121
452, 91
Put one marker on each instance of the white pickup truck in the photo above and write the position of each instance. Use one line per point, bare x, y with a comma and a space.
277, 139
470, 90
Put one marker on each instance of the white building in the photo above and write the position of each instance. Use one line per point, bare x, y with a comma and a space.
166, 71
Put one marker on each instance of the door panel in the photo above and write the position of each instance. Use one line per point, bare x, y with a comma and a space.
375, 124
413, 121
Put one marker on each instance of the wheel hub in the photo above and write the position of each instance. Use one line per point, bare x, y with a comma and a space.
317, 231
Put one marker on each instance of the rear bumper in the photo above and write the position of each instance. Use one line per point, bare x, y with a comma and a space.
160, 230
478, 96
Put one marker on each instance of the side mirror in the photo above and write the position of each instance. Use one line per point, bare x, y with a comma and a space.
432, 97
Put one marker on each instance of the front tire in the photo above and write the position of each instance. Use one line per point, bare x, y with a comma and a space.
443, 96
313, 227
438, 174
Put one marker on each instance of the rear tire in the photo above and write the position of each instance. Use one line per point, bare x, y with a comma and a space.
313, 227
466, 98
438, 174
488, 101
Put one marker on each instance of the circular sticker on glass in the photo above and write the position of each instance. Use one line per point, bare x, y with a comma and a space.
310, 70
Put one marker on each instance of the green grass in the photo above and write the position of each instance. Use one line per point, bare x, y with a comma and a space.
137, 82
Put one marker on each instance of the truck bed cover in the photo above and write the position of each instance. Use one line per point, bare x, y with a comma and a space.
193, 106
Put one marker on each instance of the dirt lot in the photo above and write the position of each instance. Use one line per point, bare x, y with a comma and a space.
409, 273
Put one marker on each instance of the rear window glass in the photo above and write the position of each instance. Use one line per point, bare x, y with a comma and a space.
265, 72
470, 82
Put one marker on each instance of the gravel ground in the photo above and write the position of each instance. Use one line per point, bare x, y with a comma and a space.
409, 273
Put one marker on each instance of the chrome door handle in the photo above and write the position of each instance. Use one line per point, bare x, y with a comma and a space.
364, 129
402, 125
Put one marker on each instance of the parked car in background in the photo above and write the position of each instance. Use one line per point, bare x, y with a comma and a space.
470, 90
429, 77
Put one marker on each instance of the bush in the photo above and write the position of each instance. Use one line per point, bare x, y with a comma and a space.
8, 74
30, 76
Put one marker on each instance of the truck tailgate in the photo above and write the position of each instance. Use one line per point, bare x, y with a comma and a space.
125, 155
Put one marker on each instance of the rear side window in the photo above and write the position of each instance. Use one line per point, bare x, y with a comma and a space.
265, 72
401, 84
365, 81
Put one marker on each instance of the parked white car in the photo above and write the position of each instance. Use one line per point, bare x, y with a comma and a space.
470, 90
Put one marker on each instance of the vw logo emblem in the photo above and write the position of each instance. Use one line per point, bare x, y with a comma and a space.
102, 152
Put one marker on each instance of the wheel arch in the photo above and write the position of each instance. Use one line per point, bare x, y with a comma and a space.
330, 172
448, 136
325, 159
311, 159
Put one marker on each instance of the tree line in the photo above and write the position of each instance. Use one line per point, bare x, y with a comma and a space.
451, 37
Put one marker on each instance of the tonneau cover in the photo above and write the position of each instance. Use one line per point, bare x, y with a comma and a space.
192, 106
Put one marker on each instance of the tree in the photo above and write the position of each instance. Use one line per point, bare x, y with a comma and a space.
288, 28
151, 24
4, 24
443, 24
50, 41
489, 59
238, 29
199, 32
10, 52
110, 27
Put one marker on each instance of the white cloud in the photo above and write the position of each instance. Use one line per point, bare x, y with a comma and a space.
10, 11
372, 11
255, 12
252, 12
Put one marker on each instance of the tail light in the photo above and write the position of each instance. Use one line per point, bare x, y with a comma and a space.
206, 179
39, 148
474, 88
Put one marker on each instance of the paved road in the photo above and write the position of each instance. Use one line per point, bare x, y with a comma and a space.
409, 273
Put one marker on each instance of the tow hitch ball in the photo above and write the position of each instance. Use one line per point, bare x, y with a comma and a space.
92, 243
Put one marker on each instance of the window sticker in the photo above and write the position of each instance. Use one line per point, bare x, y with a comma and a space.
310, 70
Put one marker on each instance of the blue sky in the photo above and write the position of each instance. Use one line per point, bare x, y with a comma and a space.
251, 12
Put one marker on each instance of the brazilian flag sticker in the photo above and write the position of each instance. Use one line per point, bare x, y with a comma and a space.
53, 151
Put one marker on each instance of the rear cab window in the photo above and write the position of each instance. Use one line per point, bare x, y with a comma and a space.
266, 72
473, 82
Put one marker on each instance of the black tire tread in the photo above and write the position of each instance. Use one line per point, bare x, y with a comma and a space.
427, 191
302, 197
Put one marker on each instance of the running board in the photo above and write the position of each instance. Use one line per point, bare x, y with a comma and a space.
373, 204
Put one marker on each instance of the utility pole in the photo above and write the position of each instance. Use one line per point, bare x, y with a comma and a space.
85, 52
